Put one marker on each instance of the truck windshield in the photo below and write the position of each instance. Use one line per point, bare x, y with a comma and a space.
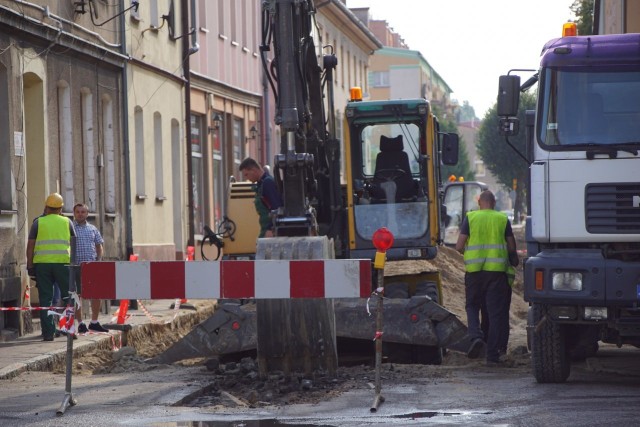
586, 107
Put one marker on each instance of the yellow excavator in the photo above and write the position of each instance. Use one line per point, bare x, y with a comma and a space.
385, 173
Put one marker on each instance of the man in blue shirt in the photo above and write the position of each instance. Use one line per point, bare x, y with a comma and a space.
267, 195
88, 248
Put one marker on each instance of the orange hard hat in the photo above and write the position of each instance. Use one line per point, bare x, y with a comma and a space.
54, 200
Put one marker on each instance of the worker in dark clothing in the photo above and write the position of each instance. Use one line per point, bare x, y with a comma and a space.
49, 256
489, 248
267, 198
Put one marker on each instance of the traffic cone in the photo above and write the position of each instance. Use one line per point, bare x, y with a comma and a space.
122, 311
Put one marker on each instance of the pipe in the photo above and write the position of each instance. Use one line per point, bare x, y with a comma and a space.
125, 142
186, 52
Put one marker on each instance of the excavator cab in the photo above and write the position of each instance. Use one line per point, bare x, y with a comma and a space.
392, 154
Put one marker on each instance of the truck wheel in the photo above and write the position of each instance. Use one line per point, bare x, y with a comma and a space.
549, 356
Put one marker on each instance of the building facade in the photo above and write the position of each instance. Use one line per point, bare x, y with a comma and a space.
399, 72
226, 122
155, 36
616, 16
61, 85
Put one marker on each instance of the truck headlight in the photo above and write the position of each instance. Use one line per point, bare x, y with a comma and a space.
566, 281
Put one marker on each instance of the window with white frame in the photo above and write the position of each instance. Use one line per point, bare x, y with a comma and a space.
89, 149
380, 79
158, 150
237, 141
109, 155
197, 172
66, 144
139, 144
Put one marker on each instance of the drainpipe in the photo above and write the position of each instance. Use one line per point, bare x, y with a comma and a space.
266, 120
125, 141
187, 51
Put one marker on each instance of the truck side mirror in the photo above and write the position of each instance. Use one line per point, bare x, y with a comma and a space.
450, 142
508, 96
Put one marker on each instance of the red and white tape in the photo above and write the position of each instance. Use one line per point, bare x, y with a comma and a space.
29, 308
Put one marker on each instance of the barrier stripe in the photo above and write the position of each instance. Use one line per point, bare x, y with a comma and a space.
264, 279
313, 276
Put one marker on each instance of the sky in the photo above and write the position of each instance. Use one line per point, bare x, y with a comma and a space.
470, 43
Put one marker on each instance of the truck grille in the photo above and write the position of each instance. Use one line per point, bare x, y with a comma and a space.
609, 208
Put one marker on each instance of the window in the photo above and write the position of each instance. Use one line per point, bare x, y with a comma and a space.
219, 181
158, 147
202, 14
245, 38
380, 79
66, 144
480, 169
221, 28
154, 15
349, 81
135, 12
89, 149
176, 182
139, 144
197, 176
234, 24
343, 67
109, 155
237, 146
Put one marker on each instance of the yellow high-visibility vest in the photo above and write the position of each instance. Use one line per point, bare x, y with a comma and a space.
486, 248
53, 241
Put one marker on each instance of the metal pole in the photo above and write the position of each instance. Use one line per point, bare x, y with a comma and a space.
69, 400
378, 399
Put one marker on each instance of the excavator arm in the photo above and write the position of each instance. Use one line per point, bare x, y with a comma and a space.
308, 163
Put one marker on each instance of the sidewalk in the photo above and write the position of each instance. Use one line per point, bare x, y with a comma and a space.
30, 353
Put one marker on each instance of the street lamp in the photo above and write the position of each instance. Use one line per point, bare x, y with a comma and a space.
253, 132
217, 121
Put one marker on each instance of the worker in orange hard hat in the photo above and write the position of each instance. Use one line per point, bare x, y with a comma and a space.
48, 257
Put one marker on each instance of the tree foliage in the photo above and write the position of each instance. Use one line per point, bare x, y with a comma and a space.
463, 168
502, 160
583, 9
466, 113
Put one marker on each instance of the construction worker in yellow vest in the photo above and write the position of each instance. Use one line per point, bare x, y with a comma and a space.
49, 256
489, 248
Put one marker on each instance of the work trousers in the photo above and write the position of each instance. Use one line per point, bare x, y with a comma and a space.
46, 276
489, 290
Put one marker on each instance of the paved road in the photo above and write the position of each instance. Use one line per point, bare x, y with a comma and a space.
469, 395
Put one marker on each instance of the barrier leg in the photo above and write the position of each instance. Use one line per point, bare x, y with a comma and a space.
378, 399
68, 400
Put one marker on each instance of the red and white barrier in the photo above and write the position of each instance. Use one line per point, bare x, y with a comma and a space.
263, 279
